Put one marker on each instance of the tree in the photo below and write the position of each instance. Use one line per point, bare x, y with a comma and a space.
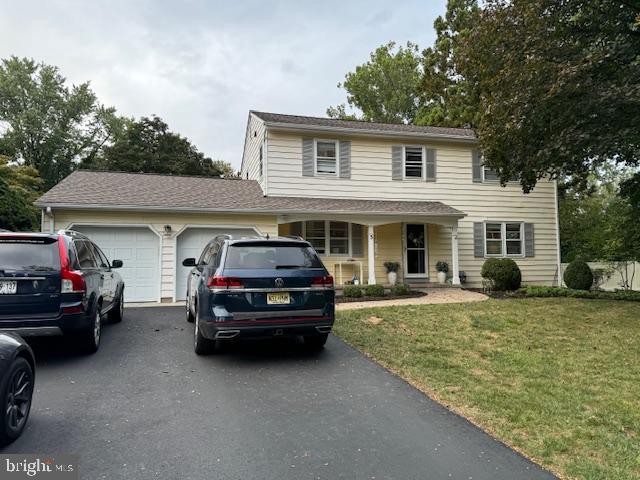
384, 89
19, 186
46, 124
449, 98
149, 146
558, 86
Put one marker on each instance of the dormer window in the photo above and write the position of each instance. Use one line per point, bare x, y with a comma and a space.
326, 155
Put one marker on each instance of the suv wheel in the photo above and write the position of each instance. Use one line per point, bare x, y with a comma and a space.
16, 392
89, 338
117, 312
316, 342
201, 345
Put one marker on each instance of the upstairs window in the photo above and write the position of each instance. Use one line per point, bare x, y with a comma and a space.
413, 162
326, 157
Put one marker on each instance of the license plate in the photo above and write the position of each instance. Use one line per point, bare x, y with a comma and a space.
8, 288
278, 298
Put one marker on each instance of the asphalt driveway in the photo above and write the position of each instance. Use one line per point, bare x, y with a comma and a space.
145, 406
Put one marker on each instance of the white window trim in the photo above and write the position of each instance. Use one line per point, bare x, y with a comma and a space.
424, 165
503, 238
315, 157
327, 239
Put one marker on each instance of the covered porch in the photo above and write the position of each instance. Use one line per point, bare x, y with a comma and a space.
356, 246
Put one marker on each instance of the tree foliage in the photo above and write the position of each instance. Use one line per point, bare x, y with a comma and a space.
449, 98
384, 89
558, 84
46, 124
149, 146
19, 186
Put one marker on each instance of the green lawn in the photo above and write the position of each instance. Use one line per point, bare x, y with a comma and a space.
557, 379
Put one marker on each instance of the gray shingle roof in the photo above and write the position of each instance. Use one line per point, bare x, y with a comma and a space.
321, 122
142, 191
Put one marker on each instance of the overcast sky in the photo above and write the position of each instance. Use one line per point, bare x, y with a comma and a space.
201, 65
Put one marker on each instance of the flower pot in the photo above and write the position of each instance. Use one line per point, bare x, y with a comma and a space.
393, 278
442, 277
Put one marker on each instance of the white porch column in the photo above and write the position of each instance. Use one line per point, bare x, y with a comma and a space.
371, 261
455, 279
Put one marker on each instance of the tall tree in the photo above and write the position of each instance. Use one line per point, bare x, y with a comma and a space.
559, 86
45, 123
20, 185
149, 146
384, 89
449, 98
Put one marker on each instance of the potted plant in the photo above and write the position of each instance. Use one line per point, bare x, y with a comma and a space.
392, 271
442, 268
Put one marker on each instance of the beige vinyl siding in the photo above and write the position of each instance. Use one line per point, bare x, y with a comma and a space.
157, 220
255, 136
371, 179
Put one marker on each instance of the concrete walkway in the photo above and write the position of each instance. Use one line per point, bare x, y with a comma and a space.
434, 296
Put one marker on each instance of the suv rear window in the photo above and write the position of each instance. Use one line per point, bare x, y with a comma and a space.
271, 256
29, 253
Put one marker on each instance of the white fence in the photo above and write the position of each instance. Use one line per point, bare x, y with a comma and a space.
613, 278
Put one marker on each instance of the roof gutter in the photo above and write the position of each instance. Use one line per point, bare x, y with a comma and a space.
95, 206
371, 132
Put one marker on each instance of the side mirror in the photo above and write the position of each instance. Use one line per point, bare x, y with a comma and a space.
189, 262
116, 264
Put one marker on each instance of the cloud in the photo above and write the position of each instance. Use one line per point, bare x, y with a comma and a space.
201, 65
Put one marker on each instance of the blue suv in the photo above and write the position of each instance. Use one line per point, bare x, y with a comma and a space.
58, 283
259, 287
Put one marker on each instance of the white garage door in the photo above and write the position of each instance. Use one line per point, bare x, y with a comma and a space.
138, 248
190, 244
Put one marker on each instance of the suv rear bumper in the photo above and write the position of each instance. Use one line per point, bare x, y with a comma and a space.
261, 329
63, 323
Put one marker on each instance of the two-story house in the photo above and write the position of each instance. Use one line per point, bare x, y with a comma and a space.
362, 193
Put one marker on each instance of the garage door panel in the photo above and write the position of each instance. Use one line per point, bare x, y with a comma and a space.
190, 244
139, 250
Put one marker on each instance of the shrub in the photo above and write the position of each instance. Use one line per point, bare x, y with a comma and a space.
374, 290
392, 266
352, 291
535, 291
578, 275
502, 274
442, 266
400, 289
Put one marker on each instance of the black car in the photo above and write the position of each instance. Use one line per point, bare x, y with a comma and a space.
17, 375
259, 287
53, 284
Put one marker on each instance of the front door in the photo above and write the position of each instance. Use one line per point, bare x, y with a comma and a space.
415, 245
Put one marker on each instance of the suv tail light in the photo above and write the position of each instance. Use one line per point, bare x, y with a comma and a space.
218, 281
322, 282
72, 280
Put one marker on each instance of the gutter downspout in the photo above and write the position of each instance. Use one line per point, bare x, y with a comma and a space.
52, 224
559, 257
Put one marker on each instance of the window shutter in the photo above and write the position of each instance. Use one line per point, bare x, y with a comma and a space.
476, 162
345, 159
396, 162
430, 173
478, 239
307, 157
529, 249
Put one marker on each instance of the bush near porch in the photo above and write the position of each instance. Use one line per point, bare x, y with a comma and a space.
556, 378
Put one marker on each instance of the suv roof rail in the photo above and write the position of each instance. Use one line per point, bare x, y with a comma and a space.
72, 233
293, 237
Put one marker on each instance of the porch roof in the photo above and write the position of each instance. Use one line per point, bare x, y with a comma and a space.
133, 191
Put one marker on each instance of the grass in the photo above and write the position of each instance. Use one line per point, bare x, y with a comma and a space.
556, 378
